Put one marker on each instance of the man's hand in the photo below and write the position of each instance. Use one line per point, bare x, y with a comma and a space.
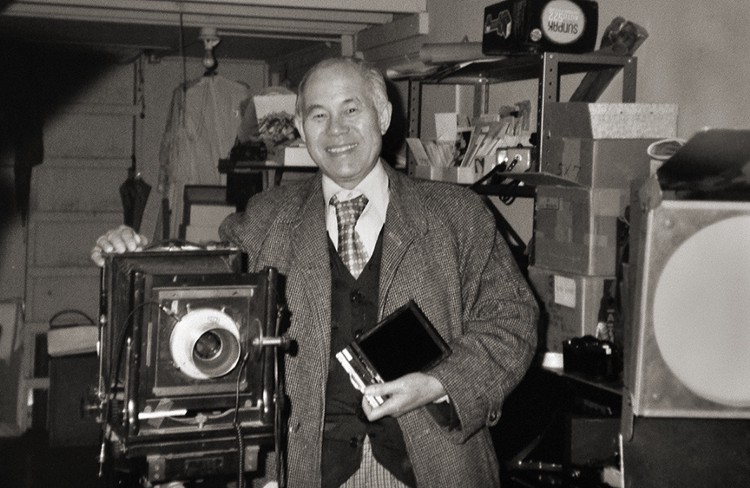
403, 395
119, 240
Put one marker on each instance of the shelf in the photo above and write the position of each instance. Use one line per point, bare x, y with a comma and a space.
521, 67
614, 387
505, 190
229, 166
547, 68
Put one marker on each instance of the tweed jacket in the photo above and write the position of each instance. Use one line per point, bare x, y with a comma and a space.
441, 248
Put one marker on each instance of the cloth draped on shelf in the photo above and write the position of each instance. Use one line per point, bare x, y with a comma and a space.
201, 128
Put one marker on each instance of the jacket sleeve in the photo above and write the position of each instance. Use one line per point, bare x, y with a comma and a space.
498, 331
249, 229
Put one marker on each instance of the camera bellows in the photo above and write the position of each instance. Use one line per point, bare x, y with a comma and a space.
205, 344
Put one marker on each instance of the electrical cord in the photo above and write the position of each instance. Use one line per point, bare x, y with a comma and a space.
114, 372
280, 404
70, 311
238, 425
120, 343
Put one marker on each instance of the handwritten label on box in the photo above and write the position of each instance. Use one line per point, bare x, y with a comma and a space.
565, 291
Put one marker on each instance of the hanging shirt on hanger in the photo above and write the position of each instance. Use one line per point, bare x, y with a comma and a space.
201, 129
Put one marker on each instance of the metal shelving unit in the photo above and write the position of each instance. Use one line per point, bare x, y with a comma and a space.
547, 67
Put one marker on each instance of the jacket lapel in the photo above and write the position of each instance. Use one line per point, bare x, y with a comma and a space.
310, 260
404, 222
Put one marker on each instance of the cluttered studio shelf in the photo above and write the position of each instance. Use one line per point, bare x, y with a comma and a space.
591, 411
561, 426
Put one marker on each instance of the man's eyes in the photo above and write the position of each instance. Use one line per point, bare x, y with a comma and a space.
322, 115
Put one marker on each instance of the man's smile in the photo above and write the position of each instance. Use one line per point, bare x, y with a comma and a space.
341, 149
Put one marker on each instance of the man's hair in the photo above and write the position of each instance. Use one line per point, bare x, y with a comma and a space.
373, 77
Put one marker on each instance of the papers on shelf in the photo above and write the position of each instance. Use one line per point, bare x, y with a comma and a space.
464, 154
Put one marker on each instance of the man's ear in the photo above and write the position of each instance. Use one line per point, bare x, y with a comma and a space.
384, 117
300, 127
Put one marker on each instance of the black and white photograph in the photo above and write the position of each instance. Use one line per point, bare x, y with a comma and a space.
374, 244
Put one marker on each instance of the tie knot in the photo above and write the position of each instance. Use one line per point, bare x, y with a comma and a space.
349, 211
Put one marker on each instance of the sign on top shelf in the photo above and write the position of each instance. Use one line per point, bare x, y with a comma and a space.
532, 26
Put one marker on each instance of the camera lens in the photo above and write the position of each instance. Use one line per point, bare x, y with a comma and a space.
208, 346
205, 344
215, 352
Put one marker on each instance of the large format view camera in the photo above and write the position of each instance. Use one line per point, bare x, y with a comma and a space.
190, 358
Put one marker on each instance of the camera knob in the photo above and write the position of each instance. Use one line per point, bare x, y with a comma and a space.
90, 405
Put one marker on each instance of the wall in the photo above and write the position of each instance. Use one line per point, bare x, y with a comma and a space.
160, 80
695, 57
12, 237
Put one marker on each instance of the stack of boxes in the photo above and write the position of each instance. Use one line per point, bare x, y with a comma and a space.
594, 150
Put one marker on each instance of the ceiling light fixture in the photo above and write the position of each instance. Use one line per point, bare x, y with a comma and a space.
210, 39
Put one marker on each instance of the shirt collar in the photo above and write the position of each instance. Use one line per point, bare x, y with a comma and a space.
374, 186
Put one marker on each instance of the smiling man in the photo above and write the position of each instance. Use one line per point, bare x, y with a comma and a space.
342, 114
355, 242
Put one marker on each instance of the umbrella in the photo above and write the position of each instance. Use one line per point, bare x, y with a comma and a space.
134, 195
134, 191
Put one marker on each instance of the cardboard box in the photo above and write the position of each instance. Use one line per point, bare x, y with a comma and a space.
450, 174
575, 228
597, 163
610, 120
297, 156
570, 303
274, 104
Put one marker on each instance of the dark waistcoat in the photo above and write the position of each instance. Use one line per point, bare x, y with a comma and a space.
354, 310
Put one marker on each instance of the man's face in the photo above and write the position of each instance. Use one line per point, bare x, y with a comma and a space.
341, 125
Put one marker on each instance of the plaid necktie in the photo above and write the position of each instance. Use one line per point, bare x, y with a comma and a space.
351, 250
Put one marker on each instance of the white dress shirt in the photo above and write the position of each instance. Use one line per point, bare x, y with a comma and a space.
375, 187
